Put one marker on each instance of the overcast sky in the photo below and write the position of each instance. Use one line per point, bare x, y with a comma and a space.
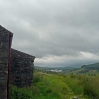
57, 32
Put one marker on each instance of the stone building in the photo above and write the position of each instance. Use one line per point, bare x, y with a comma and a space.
21, 70
16, 67
5, 48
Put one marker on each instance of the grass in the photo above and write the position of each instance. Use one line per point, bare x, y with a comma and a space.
91, 87
58, 86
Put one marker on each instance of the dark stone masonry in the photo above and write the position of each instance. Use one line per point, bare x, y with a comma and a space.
21, 71
16, 67
5, 46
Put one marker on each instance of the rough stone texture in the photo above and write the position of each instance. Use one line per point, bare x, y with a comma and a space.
21, 69
5, 46
20, 73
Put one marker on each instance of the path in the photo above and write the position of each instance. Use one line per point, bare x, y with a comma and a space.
57, 82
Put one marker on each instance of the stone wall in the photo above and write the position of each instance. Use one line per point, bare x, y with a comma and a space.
15, 67
21, 68
5, 46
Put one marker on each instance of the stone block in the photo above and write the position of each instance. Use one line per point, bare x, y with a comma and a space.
3, 67
4, 37
5, 41
21, 68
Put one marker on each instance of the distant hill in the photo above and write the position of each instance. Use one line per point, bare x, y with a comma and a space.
70, 69
91, 66
51, 68
91, 69
43, 68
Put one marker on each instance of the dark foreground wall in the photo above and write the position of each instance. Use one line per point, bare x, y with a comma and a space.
5, 46
21, 70
15, 67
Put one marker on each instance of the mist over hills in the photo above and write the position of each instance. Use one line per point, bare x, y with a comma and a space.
94, 66
80, 67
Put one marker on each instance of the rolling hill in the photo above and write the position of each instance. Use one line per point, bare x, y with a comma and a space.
91, 66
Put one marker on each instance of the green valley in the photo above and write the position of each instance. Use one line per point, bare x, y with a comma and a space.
49, 85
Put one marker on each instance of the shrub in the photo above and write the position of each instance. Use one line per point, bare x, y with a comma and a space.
91, 87
19, 93
75, 83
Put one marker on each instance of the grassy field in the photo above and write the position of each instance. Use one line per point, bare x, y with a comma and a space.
58, 86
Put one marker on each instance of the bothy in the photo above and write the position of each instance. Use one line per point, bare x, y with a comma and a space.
5, 46
21, 71
15, 67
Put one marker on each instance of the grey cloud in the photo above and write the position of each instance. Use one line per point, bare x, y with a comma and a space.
52, 27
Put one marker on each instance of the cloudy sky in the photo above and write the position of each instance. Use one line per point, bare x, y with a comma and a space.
57, 32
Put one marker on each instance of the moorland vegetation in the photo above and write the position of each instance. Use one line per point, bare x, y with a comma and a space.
49, 85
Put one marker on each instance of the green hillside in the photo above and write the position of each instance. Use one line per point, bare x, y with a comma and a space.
85, 69
81, 82
51, 86
91, 66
